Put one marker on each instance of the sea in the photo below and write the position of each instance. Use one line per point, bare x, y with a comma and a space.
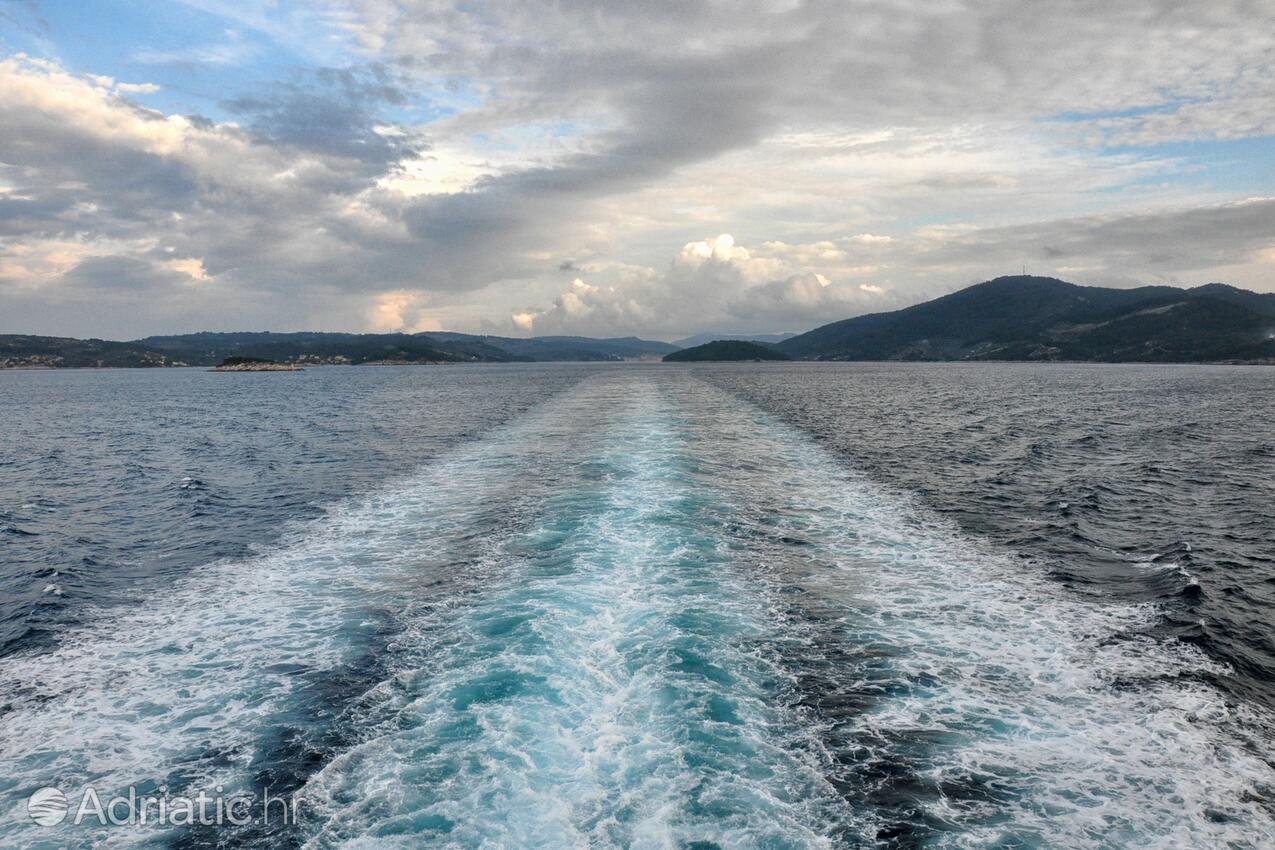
683, 606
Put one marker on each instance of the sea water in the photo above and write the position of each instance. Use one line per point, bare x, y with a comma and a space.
648, 607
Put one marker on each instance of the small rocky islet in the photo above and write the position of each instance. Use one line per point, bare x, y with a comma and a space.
254, 364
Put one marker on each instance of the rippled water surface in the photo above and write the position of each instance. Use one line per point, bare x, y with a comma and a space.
771, 606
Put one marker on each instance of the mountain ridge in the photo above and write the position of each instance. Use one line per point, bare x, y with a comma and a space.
724, 350
208, 348
1007, 318
1041, 318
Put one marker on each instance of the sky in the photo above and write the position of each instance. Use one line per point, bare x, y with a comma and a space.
652, 168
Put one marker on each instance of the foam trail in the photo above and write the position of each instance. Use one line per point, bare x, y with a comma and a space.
212, 681
644, 616
612, 696
963, 700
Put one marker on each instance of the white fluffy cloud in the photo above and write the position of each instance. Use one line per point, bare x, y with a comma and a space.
402, 311
711, 283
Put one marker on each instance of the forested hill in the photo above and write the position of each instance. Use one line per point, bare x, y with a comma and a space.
1009, 318
209, 349
726, 349
1041, 318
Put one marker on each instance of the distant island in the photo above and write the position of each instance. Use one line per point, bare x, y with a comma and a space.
253, 364
726, 349
1009, 318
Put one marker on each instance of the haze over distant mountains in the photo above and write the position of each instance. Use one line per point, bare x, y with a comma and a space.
709, 336
1009, 318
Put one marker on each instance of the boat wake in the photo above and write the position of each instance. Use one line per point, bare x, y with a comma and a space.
644, 615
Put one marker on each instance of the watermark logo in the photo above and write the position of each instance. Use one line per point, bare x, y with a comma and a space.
48, 806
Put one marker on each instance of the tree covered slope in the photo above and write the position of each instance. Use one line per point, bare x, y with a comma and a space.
1039, 318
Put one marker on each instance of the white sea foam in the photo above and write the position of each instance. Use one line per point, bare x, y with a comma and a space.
603, 674
1085, 731
611, 697
179, 687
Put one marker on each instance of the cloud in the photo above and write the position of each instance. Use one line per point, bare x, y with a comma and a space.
1174, 244
401, 311
128, 276
192, 267
232, 51
780, 286
136, 88
709, 283
461, 151
800, 300
335, 112
672, 92
292, 215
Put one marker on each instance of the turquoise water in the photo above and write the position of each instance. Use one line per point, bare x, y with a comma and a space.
641, 614
608, 688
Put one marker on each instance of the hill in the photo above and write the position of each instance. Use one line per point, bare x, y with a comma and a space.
434, 346
1040, 318
1009, 318
201, 349
22, 350
725, 349
560, 348
210, 349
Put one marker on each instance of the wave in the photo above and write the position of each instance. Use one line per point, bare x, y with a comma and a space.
643, 615
207, 678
